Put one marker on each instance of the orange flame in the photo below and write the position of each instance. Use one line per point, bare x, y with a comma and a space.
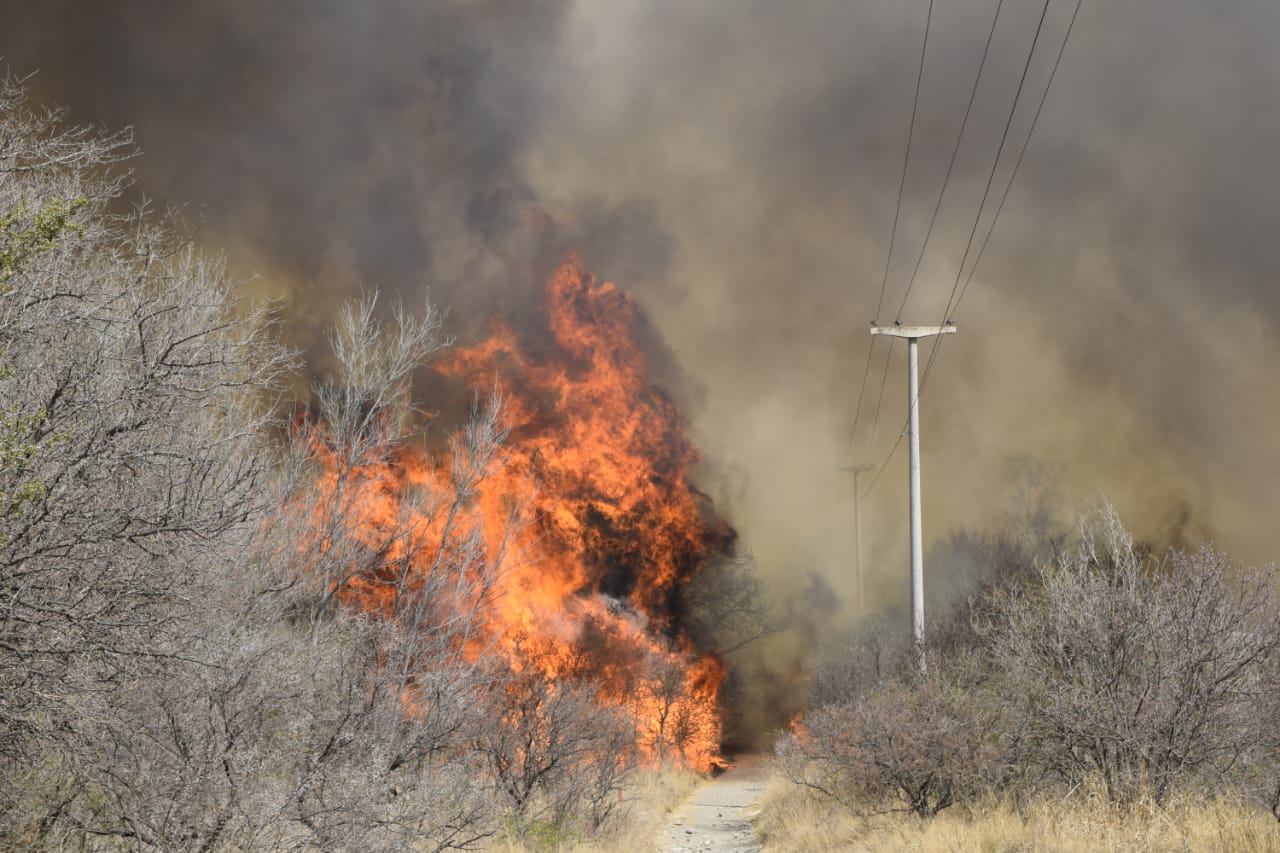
615, 528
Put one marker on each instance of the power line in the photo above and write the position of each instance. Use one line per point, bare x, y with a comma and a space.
857, 409
906, 160
884, 380
897, 213
974, 230
880, 468
1004, 137
1021, 154
951, 307
973, 94
986, 192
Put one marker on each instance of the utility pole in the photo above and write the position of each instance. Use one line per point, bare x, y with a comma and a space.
857, 535
913, 334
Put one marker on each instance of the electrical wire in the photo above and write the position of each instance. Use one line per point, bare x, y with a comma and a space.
906, 160
951, 300
857, 409
1004, 138
986, 192
933, 219
897, 214
1021, 154
884, 380
955, 151
952, 307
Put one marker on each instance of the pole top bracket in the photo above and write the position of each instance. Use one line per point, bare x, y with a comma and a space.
913, 331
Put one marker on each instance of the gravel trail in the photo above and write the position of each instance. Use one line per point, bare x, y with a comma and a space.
717, 816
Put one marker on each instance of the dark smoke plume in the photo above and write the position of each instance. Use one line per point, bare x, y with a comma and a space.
736, 163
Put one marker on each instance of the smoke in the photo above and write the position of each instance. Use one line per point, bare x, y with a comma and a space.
736, 164
329, 145
1116, 323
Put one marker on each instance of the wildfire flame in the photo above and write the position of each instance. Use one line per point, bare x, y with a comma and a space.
615, 528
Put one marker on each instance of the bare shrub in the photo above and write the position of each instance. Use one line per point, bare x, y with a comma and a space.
1139, 674
724, 605
384, 760
175, 672
875, 653
963, 569
559, 757
281, 720
1101, 666
918, 746
208, 641
134, 386
884, 737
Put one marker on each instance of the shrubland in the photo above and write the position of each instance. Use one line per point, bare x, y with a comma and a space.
188, 658
1086, 693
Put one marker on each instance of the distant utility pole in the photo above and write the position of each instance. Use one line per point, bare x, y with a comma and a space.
913, 334
857, 534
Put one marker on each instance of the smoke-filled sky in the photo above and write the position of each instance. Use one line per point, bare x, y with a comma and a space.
735, 163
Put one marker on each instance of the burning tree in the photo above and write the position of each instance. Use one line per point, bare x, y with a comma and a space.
354, 638
617, 530
568, 540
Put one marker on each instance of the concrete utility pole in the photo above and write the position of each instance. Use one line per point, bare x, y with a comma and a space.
857, 534
913, 334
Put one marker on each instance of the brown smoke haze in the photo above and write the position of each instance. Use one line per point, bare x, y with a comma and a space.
736, 164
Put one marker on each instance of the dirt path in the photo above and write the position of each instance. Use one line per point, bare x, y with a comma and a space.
718, 815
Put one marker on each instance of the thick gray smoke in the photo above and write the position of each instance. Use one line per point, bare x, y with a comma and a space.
736, 163
323, 143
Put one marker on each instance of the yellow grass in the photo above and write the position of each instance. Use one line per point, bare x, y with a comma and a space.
792, 820
648, 800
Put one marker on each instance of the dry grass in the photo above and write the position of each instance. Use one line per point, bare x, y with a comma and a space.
792, 820
649, 799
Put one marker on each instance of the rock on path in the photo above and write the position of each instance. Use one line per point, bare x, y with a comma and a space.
718, 815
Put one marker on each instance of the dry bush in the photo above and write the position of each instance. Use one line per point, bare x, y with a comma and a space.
724, 606
919, 746
547, 755
964, 569
174, 671
386, 761
882, 737
134, 389
559, 758
206, 640
1103, 670
876, 653
276, 739
279, 719
1145, 676
133, 381
646, 802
